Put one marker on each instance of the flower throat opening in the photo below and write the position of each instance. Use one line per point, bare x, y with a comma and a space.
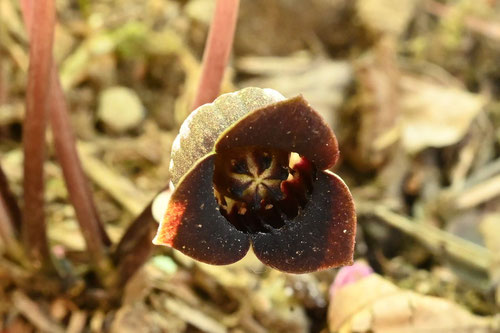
259, 189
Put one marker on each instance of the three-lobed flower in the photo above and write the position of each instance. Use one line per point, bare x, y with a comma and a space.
251, 168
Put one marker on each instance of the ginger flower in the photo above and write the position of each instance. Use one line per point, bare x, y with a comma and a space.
251, 169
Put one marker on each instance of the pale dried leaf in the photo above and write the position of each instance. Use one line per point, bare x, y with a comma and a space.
435, 115
374, 304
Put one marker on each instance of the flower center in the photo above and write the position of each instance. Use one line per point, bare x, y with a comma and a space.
258, 189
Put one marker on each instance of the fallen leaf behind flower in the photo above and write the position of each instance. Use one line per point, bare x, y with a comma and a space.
374, 304
435, 115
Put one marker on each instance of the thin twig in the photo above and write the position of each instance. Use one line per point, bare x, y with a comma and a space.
9, 221
478, 194
79, 191
10, 203
37, 93
217, 51
435, 239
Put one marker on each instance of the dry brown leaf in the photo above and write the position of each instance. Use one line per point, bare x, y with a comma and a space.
374, 304
435, 115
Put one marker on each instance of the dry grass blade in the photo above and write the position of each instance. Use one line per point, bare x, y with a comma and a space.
437, 240
121, 189
10, 217
478, 193
11, 207
217, 51
33, 228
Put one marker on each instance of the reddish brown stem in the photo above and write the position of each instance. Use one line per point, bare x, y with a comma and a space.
93, 231
217, 51
78, 187
37, 93
135, 246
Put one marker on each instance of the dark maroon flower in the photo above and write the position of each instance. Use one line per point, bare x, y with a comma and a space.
251, 168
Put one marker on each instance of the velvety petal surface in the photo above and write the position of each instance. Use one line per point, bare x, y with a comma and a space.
321, 236
193, 223
291, 125
204, 125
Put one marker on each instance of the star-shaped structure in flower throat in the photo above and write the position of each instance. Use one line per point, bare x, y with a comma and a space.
251, 169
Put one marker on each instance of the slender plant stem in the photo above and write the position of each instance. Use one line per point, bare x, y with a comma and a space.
92, 228
37, 94
135, 246
27, 12
217, 51
78, 187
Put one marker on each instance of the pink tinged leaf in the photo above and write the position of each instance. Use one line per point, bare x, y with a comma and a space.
321, 236
193, 223
348, 275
